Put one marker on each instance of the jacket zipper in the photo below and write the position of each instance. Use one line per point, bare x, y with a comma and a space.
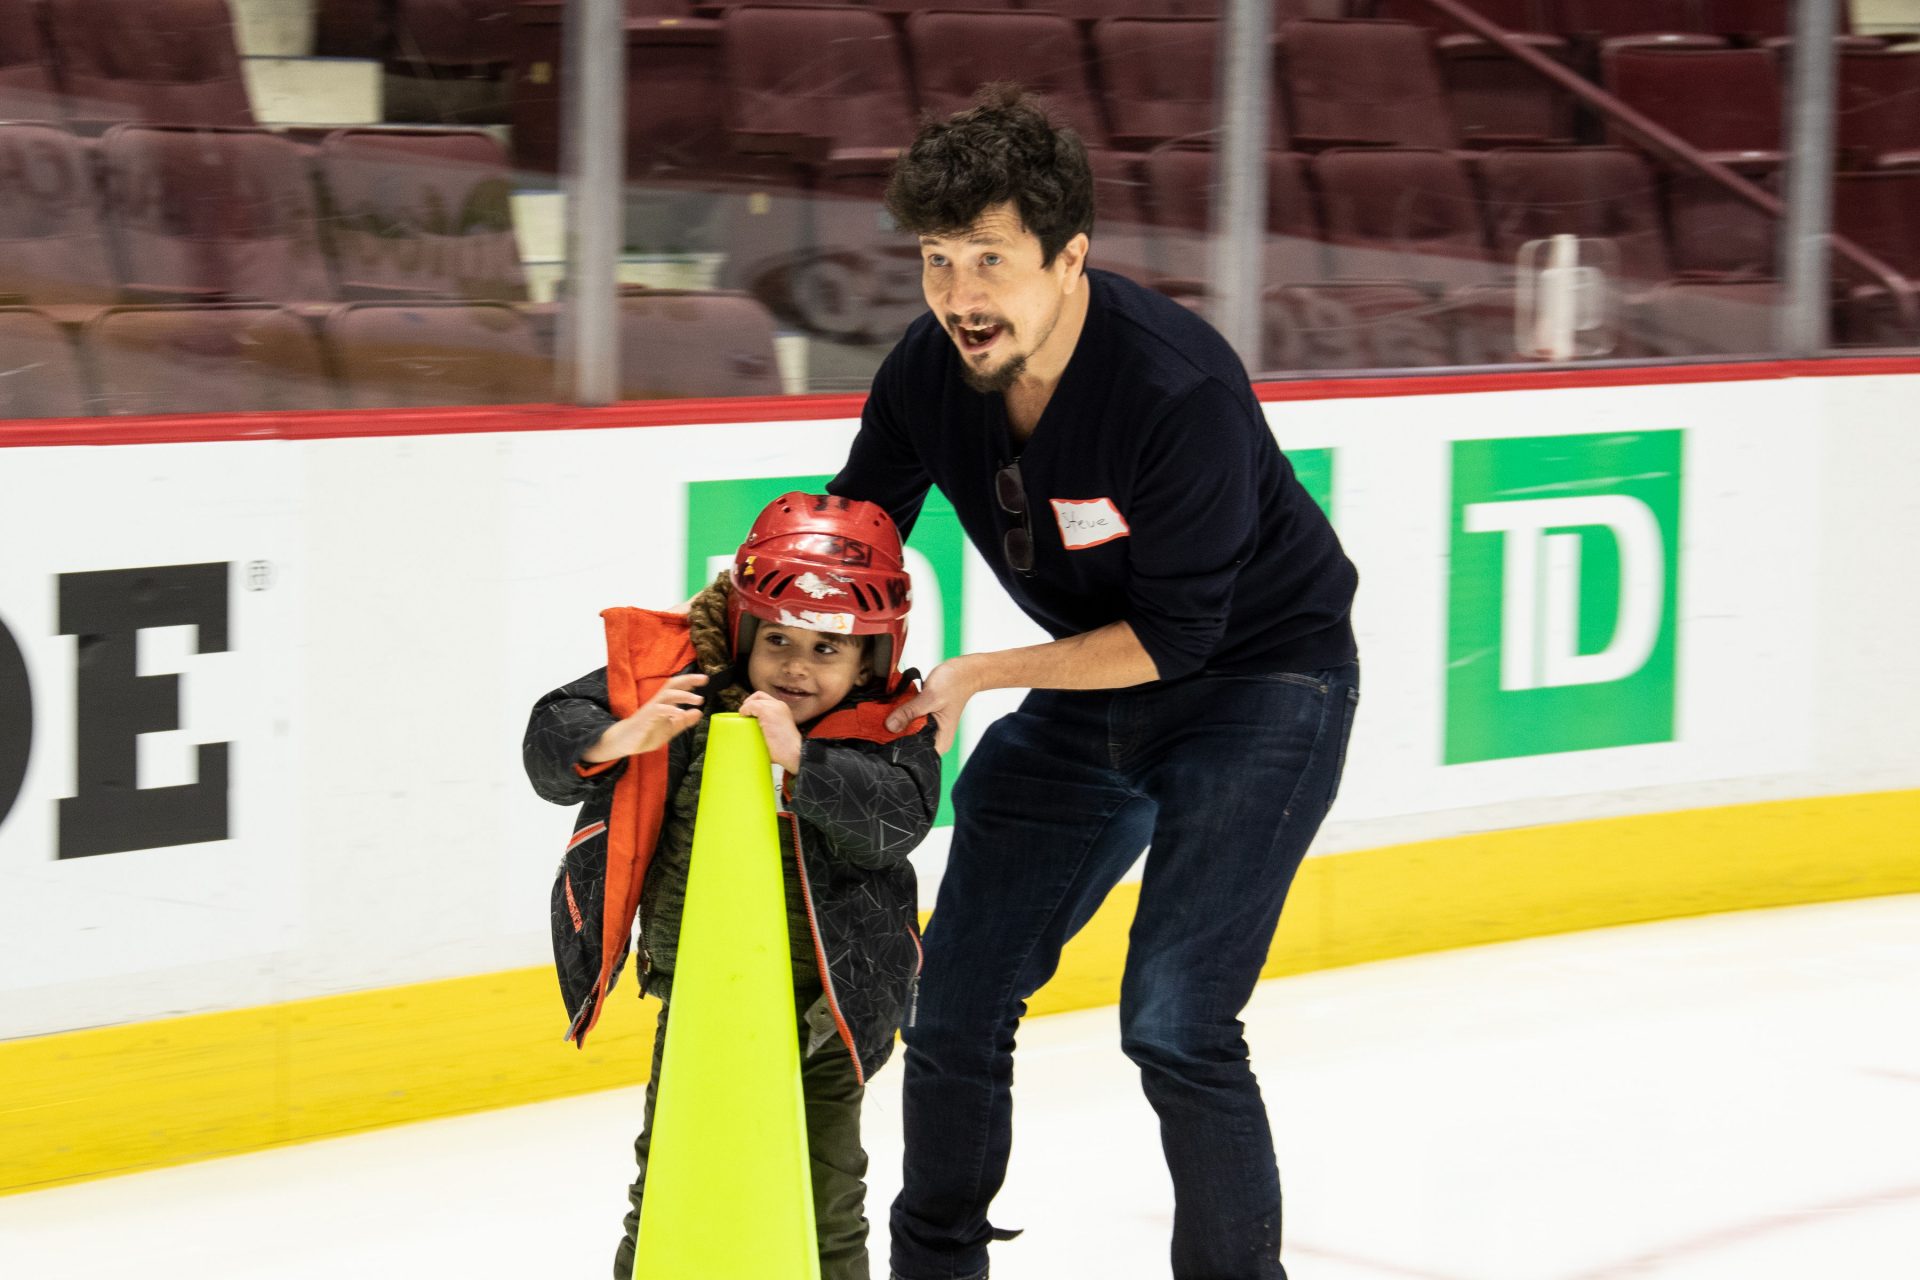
820, 951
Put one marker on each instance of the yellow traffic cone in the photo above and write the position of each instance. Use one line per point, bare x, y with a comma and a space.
728, 1195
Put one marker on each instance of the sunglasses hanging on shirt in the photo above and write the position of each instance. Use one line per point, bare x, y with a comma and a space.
1018, 544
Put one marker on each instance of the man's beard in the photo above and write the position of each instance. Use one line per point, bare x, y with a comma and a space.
996, 382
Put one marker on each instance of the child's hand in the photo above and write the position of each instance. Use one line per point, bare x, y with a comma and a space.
776, 722
665, 716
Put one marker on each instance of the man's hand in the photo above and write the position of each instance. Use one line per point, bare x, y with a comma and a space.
776, 723
944, 696
671, 711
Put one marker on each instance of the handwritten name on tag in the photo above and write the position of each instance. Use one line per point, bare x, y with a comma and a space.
1088, 523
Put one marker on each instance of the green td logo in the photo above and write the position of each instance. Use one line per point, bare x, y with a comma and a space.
1565, 581
719, 513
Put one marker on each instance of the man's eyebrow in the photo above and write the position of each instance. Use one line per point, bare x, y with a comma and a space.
972, 237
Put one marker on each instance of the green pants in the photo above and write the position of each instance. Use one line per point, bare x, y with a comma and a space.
838, 1162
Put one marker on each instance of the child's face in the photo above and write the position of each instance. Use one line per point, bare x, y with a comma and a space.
810, 671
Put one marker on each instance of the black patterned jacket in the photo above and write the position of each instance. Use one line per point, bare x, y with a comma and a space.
852, 814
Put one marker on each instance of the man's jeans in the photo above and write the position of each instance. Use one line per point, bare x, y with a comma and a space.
1228, 778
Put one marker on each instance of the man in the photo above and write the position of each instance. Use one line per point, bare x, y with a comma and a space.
1105, 453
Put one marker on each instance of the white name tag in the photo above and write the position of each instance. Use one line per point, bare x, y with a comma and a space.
1089, 522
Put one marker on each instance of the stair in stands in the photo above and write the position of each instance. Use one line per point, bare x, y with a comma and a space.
273, 28
288, 91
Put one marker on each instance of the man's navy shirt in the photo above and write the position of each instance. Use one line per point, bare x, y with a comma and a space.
1154, 488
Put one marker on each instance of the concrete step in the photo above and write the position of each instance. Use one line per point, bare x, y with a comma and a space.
273, 28
313, 90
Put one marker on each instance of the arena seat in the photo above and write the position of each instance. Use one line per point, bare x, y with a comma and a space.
401, 355
953, 54
221, 359
420, 213
40, 374
1180, 185
1596, 193
452, 33
213, 215
1402, 213
826, 87
1364, 83
1496, 99
164, 61
53, 248
696, 344
1726, 102
1158, 81
1879, 108
1880, 212
27, 88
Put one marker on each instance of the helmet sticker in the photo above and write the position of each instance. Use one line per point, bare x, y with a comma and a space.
840, 624
818, 587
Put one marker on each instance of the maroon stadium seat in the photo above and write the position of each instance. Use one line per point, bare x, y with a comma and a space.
824, 86
1158, 78
1397, 213
27, 88
1360, 325
1727, 103
1361, 83
39, 371
1880, 212
213, 215
420, 213
696, 344
223, 359
390, 356
1879, 108
1596, 193
953, 54
1495, 97
1180, 183
1724, 101
52, 246
164, 61
453, 33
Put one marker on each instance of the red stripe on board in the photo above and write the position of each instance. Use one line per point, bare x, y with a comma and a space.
464, 420
1441, 384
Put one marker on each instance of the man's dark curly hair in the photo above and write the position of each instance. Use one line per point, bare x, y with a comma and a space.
1002, 148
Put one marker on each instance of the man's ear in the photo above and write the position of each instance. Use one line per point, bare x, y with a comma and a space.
1073, 260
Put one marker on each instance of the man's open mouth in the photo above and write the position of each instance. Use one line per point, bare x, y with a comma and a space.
978, 338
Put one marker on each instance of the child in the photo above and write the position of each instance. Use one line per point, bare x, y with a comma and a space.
804, 635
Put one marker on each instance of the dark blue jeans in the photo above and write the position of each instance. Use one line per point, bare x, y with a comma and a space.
1228, 778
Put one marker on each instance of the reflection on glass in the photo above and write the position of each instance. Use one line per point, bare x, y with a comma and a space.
211, 206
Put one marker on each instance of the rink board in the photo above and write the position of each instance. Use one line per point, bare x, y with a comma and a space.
300, 888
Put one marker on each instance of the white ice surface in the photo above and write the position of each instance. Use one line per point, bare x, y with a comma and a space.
1729, 1097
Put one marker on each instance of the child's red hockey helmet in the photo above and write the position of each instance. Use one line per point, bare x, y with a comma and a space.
827, 564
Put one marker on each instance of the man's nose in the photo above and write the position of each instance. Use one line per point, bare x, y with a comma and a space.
965, 297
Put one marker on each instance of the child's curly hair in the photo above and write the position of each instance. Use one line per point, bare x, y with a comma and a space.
712, 647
